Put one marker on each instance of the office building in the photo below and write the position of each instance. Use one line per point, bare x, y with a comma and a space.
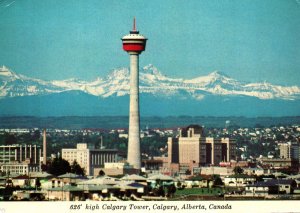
88, 157
289, 150
20, 159
20, 153
192, 148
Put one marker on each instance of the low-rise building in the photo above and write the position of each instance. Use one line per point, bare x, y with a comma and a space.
280, 163
255, 171
115, 169
239, 180
199, 181
22, 168
274, 186
260, 189
20, 159
222, 171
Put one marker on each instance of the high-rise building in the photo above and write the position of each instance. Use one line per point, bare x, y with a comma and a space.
88, 157
289, 150
191, 147
134, 43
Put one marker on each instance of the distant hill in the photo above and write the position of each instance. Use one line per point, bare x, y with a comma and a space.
109, 122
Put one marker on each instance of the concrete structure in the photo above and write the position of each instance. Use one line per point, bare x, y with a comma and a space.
44, 147
88, 157
134, 44
191, 149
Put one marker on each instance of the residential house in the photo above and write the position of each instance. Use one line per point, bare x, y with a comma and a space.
239, 180
274, 186
199, 181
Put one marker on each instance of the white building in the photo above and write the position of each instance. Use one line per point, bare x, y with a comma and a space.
239, 180
274, 186
19, 168
258, 189
20, 159
123, 135
115, 168
88, 157
20, 153
289, 150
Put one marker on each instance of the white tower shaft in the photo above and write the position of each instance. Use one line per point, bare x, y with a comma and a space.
134, 153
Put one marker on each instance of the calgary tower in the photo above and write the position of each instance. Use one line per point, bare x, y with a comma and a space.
134, 44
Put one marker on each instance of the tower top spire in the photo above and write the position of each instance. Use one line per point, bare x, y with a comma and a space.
134, 31
134, 24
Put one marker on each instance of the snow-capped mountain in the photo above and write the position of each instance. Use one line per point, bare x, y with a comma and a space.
152, 81
14, 85
215, 94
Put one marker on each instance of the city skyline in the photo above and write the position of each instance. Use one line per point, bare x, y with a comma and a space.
205, 138
247, 40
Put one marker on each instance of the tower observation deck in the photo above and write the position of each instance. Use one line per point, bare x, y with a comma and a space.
134, 43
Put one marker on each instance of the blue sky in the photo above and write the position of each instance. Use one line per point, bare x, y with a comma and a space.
250, 40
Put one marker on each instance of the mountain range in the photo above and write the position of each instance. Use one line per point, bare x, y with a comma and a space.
215, 94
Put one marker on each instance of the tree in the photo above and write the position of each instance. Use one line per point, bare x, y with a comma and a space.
101, 173
188, 172
36, 135
171, 189
38, 183
217, 180
44, 167
76, 169
10, 139
159, 191
238, 170
58, 166
2, 173
179, 184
